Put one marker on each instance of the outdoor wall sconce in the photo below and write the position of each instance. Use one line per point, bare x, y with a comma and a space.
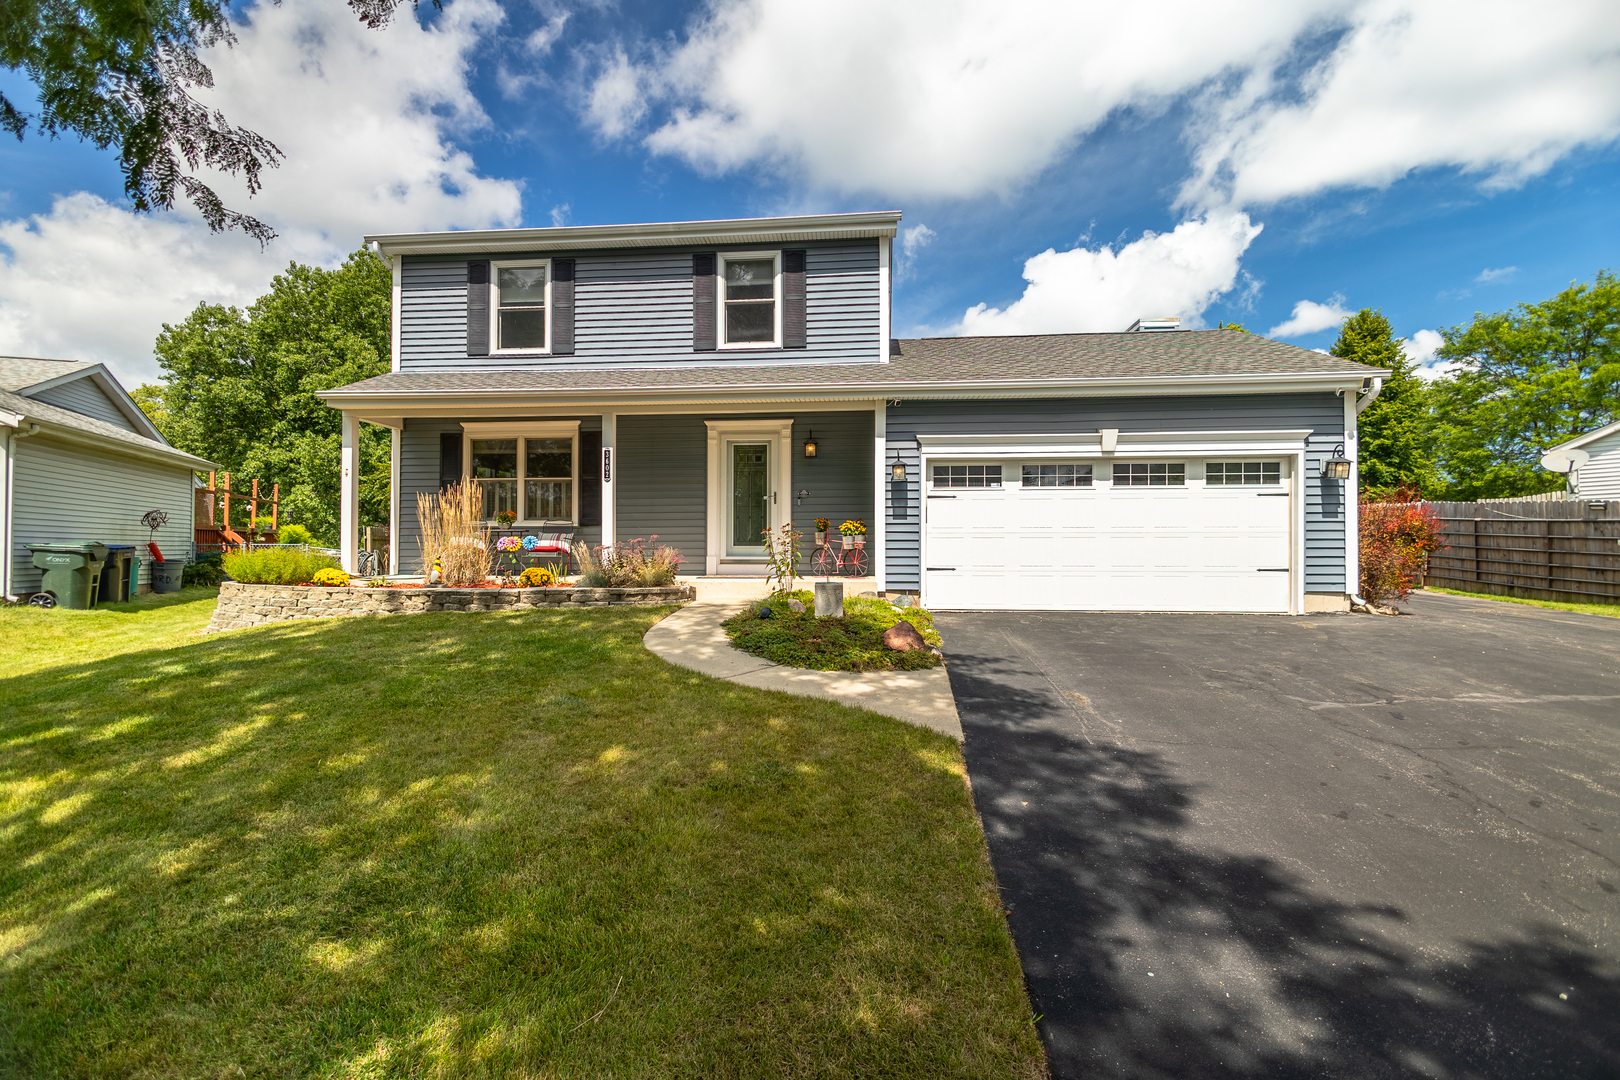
1336, 467
898, 469
810, 444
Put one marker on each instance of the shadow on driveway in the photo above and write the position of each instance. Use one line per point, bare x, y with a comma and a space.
1152, 952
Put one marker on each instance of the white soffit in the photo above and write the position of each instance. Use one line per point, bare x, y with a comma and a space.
777, 230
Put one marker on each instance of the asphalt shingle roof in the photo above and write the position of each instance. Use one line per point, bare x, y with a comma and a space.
19, 372
914, 362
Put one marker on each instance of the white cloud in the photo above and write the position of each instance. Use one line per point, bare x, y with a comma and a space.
561, 214
1310, 317
364, 117
920, 98
1487, 275
540, 42
912, 241
1420, 349
1497, 88
1176, 273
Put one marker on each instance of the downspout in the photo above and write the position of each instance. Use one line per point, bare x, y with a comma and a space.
11, 486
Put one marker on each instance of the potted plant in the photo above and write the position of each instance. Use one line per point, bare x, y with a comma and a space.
822, 525
506, 518
854, 532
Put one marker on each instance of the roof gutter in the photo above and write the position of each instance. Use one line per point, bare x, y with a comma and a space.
658, 234
777, 392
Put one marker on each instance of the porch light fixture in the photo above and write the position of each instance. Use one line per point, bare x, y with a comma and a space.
898, 469
1336, 467
810, 444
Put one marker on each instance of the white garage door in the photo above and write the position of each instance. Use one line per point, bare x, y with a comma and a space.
1170, 535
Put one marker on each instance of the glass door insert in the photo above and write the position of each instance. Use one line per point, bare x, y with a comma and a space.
750, 498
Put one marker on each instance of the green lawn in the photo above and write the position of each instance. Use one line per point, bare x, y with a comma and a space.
504, 845
1612, 610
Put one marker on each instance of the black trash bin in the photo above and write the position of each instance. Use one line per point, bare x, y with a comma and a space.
116, 575
72, 574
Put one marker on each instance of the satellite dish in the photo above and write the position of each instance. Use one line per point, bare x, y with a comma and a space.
1564, 461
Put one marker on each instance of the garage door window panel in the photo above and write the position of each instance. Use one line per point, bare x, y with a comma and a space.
1056, 475
1243, 473
1150, 474
967, 476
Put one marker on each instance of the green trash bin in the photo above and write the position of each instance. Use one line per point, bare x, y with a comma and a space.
115, 574
72, 574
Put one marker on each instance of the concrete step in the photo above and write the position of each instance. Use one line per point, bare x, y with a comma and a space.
744, 589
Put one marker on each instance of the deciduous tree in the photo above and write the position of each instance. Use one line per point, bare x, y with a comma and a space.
239, 386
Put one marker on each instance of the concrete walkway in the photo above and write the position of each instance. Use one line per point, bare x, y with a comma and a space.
693, 638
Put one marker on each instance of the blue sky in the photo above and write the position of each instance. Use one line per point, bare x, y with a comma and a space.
1432, 159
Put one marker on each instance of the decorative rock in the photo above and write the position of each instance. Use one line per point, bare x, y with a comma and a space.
829, 599
903, 637
796, 606
764, 611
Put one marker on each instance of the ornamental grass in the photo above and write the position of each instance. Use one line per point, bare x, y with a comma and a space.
453, 535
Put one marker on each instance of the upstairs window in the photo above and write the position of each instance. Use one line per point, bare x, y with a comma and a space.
1242, 473
749, 285
1057, 474
520, 306
1150, 474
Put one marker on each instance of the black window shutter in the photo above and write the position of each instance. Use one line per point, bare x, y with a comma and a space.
449, 458
793, 310
703, 313
478, 307
562, 307
590, 478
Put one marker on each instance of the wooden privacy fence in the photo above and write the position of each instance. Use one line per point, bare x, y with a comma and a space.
1547, 550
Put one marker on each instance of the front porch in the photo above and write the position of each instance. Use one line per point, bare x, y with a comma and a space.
705, 482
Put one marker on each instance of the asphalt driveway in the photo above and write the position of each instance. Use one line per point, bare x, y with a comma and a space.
1326, 846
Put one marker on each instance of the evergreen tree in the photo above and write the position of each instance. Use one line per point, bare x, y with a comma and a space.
1393, 431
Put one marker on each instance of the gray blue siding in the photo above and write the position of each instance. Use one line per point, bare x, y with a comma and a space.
661, 485
419, 474
636, 307
86, 398
1322, 414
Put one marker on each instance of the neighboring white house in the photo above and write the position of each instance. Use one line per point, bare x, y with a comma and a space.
1599, 478
81, 462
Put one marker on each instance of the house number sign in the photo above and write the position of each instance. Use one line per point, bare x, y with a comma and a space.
607, 464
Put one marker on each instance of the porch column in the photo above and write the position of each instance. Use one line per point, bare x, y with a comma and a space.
349, 493
397, 436
609, 467
880, 489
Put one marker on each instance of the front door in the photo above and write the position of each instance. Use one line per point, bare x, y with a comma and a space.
750, 511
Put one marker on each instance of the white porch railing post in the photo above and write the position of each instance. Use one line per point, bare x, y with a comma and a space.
349, 498
609, 466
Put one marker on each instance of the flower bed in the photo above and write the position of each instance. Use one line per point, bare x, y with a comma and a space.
853, 643
242, 604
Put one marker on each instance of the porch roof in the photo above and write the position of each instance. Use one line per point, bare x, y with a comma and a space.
1079, 363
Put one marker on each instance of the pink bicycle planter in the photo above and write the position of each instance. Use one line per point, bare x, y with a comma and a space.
848, 559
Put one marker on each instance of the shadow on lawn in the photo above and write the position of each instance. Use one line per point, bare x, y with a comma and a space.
1254, 975
479, 844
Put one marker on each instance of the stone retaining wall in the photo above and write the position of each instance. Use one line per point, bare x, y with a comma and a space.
249, 605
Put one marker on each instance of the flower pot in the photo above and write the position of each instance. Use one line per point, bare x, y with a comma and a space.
860, 541
821, 538
847, 541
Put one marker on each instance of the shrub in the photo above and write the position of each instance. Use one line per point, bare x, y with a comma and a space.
1396, 542
275, 566
330, 576
631, 564
453, 535
536, 577
294, 534
205, 571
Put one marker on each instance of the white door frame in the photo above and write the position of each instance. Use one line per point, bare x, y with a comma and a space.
777, 432
1130, 445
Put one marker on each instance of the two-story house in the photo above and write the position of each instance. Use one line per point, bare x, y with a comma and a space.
705, 381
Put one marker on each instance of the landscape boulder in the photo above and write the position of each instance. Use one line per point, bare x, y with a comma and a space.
903, 637
796, 606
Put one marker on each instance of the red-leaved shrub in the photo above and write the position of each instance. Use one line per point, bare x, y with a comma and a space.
1397, 539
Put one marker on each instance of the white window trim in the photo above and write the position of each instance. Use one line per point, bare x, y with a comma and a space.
720, 294
559, 429
495, 268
